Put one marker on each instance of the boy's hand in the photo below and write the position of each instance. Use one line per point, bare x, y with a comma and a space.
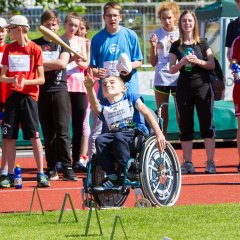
160, 142
101, 73
15, 81
22, 82
89, 80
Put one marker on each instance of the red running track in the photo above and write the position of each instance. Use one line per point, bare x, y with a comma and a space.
198, 188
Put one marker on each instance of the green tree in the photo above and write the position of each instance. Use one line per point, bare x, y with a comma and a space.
13, 6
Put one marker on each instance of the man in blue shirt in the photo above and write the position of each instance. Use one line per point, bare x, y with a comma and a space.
106, 47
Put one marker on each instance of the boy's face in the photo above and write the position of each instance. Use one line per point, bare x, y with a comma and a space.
13, 31
112, 86
3, 33
112, 18
52, 25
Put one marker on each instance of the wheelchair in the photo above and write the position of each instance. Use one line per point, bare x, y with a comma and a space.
155, 177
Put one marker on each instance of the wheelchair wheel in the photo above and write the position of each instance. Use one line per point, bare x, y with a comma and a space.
107, 199
161, 174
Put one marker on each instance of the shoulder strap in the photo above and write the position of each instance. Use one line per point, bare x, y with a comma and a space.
202, 47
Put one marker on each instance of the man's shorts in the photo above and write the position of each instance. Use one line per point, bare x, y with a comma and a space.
20, 110
165, 89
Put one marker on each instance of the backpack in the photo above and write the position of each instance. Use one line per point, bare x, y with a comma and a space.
216, 76
217, 81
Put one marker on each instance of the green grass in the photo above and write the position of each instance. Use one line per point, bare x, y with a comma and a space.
183, 222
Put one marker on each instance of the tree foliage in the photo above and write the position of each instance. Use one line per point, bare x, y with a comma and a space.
14, 6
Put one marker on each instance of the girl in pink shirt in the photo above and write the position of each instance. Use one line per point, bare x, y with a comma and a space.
76, 88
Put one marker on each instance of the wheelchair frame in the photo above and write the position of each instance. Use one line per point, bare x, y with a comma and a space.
158, 182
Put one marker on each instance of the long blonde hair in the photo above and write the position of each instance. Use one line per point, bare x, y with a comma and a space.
196, 36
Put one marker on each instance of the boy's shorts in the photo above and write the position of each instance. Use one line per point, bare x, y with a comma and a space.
236, 98
20, 110
165, 89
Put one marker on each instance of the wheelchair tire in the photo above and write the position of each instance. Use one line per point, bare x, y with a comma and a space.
161, 174
106, 199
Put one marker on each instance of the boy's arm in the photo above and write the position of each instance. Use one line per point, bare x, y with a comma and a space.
136, 64
160, 139
89, 84
37, 81
4, 78
57, 64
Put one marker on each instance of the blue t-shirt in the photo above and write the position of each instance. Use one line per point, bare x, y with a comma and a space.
106, 48
122, 115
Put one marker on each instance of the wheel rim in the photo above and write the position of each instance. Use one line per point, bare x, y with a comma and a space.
161, 175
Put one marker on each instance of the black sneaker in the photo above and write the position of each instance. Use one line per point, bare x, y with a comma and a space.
52, 174
42, 180
79, 167
7, 181
69, 175
108, 185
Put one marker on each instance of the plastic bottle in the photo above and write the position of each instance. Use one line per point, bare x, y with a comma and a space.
18, 177
236, 70
188, 66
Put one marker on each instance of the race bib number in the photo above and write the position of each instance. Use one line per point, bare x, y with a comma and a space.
19, 63
118, 115
48, 56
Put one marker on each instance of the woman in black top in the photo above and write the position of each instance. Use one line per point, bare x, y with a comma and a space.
193, 89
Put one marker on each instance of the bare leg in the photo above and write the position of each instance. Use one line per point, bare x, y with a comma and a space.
86, 133
38, 153
187, 150
84, 145
4, 164
10, 145
210, 147
163, 98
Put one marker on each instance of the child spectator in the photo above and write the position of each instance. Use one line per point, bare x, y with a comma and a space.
3, 93
161, 40
54, 102
76, 88
82, 32
22, 70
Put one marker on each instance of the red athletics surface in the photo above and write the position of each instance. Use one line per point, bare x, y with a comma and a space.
198, 188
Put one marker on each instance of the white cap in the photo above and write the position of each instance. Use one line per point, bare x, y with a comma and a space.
3, 22
18, 20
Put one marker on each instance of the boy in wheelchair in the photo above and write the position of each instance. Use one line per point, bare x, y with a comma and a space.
121, 124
